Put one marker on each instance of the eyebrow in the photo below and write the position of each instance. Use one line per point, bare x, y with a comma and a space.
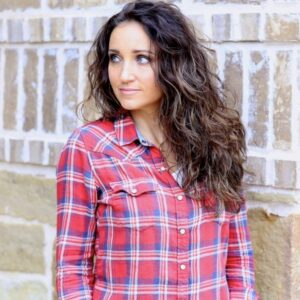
134, 51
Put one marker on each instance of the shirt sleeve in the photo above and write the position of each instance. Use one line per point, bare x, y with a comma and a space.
76, 205
240, 265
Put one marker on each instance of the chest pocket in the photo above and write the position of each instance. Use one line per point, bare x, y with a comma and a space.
134, 203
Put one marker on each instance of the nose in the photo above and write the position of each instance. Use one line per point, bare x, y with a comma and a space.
127, 72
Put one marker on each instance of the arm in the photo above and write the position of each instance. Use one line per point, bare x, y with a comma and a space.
240, 267
76, 203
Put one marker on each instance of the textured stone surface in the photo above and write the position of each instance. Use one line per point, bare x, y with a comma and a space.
21, 248
282, 27
78, 29
258, 98
30, 89
274, 241
233, 74
36, 152
273, 197
57, 31
249, 24
257, 169
2, 149
97, 23
70, 89
16, 151
17, 4
28, 291
221, 27
234, 1
76, 3
282, 100
36, 30
49, 90
285, 174
10, 89
28, 197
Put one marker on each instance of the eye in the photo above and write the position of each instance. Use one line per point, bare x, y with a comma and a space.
143, 59
114, 58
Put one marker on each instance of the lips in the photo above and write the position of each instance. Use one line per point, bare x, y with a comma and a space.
128, 91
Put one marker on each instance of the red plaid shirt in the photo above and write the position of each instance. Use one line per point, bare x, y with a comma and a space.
126, 229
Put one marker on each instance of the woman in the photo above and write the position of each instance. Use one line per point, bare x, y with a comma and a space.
149, 196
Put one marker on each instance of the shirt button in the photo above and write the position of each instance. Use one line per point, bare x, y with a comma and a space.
179, 197
134, 191
162, 169
182, 231
182, 267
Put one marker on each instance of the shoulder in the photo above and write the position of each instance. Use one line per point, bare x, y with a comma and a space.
93, 136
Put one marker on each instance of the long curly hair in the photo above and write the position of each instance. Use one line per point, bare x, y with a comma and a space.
205, 135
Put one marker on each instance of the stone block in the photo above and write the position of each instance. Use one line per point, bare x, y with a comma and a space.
282, 27
57, 29
29, 290
2, 149
258, 98
54, 153
36, 152
285, 174
70, 89
221, 27
50, 90
16, 151
97, 23
234, 1
273, 197
249, 26
233, 79
256, 166
17, 4
36, 30
15, 30
1, 31
275, 240
10, 89
78, 29
75, 3
28, 197
21, 248
30, 82
282, 100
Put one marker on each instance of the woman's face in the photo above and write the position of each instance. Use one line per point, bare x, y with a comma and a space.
130, 68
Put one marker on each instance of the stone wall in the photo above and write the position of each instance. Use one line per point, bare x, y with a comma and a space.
43, 45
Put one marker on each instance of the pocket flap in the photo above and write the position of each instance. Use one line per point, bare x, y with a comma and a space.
134, 187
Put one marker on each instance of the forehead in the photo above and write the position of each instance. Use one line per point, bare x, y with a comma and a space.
129, 34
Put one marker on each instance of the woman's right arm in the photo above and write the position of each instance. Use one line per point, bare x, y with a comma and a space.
76, 225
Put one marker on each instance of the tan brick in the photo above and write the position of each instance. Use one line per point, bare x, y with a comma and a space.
258, 98
282, 27
256, 166
221, 27
49, 90
277, 274
36, 152
27, 290
15, 30
35, 30
198, 22
233, 79
30, 81
273, 197
1, 33
76, 3
249, 24
16, 151
2, 149
28, 197
285, 174
10, 89
54, 153
57, 31
298, 90
70, 89
97, 23
282, 100
21, 248
17, 4
78, 29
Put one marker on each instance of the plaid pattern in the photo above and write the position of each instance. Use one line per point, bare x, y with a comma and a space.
126, 230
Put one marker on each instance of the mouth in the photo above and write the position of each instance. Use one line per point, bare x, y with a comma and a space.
128, 91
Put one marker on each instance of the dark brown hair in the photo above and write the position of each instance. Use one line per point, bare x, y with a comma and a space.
206, 136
